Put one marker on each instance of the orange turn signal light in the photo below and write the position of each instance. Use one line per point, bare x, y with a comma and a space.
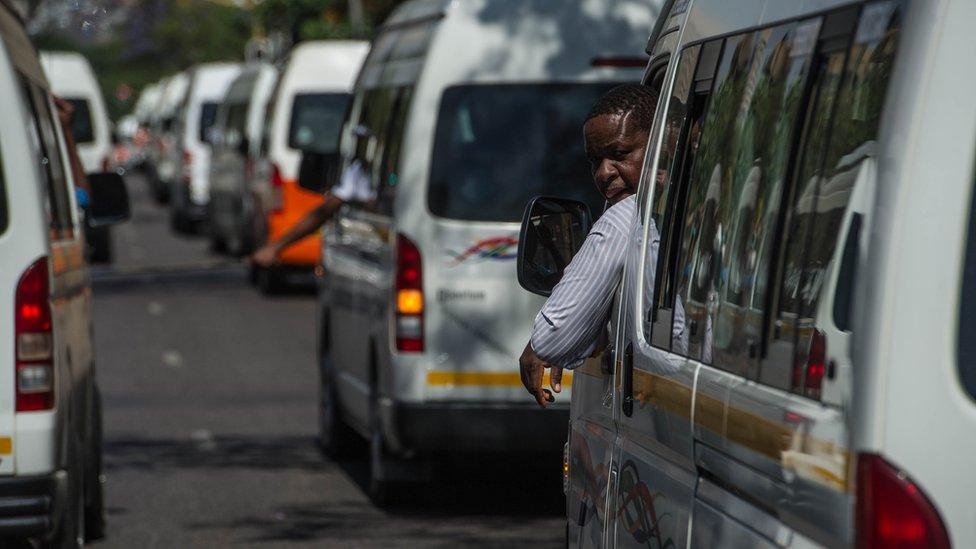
410, 302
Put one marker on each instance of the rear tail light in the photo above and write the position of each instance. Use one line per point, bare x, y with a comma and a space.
809, 368
33, 340
892, 512
566, 468
277, 188
409, 297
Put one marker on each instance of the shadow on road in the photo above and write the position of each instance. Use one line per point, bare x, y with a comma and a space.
468, 496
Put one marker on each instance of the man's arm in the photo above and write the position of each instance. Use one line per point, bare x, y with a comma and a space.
568, 326
307, 225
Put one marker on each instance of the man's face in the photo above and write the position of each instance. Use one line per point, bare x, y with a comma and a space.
615, 149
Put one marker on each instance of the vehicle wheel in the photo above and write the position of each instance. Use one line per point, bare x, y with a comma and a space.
180, 224
335, 437
95, 481
382, 490
70, 530
218, 245
252, 273
269, 281
100, 247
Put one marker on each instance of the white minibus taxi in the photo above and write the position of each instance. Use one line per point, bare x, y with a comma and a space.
51, 487
72, 79
165, 153
463, 110
794, 350
306, 112
190, 190
240, 123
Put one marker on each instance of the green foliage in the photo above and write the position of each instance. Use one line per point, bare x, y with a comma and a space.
181, 33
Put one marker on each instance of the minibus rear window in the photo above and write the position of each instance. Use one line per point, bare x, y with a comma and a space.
81, 125
208, 117
3, 202
316, 120
967, 309
497, 146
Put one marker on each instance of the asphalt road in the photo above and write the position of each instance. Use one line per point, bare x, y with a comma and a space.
209, 393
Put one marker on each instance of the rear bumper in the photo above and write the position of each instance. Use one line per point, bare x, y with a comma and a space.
435, 428
29, 506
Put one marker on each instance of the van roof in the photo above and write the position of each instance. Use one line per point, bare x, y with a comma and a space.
511, 40
324, 65
70, 73
209, 81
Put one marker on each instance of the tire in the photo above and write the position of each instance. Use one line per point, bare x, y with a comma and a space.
218, 245
100, 246
95, 479
179, 223
269, 281
336, 438
70, 530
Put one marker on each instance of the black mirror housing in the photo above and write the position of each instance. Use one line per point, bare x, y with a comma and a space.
553, 230
109, 203
317, 171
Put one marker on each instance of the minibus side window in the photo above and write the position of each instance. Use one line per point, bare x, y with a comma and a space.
699, 258
47, 145
850, 85
666, 179
390, 167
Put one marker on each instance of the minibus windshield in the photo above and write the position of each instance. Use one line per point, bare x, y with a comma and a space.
316, 119
499, 145
81, 124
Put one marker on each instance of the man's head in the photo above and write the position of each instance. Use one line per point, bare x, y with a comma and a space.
615, 133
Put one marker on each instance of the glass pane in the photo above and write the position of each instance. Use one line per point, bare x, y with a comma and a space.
497, 146
700, 257
316, 120
81, 125
825, 204
208, 117
665, 180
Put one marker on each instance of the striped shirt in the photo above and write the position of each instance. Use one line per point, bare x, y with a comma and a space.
565, 331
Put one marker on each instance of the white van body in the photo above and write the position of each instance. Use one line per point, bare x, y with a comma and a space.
165, 153
72, 79
240, 123
50, 418
458, 110
190, 192
308, 105
795, 356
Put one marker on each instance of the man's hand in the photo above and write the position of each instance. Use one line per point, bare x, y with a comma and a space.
266, 256
533, 369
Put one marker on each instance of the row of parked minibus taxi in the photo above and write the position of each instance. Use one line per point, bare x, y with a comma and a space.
789, 360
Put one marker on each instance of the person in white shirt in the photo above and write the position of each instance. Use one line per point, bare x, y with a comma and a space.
354, 186
570, 323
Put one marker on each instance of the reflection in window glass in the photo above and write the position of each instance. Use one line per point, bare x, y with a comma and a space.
497, 146
316, 120
852, 138
665, 180
700, 256
81, 124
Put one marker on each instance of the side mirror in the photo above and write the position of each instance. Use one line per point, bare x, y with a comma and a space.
553, 230
109, 202
317, 171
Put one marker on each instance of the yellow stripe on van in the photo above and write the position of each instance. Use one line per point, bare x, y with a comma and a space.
6, 445
486, 379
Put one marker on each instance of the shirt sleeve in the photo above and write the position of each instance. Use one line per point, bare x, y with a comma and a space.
565, 331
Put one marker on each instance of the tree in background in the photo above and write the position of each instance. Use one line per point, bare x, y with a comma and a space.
322, 19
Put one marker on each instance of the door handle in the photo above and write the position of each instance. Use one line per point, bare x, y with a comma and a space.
627, 385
